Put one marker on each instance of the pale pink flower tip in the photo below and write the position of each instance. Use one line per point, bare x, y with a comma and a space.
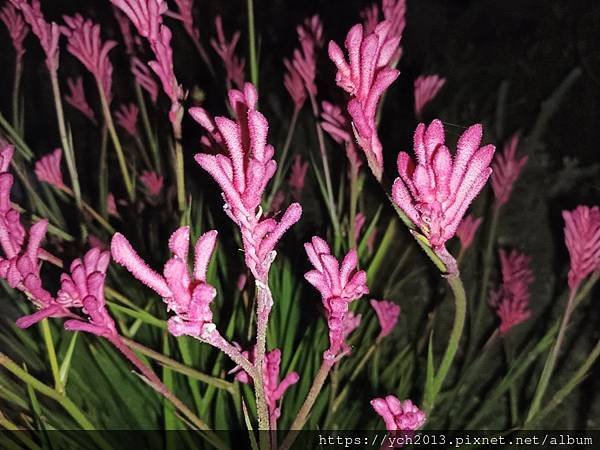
339, 285
426, 88
186, 293
387, 314
47, 169
152, 181
466, 230
506, 169
436, 191
127, 117
399, 415
511, 299
365, 77
582, 237
77, 100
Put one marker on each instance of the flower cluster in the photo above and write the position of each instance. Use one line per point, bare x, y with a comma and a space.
153, 182
85, 44
466, 230
365, 77
16, 28
339, 285
507, 168
127, 117
582, 237
511, 299
76, 98
426, 88
188, 296
234, 66
403, 416
47, 169
387, 314
297, 176
243, 176
274, 387
436, 191
338, 126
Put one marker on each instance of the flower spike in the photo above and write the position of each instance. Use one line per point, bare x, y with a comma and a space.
387, 314
466, 230
127, 117
507, 168
17, 29
47, 169
398, 415
426, 88
153, 182
582, 237
77, 100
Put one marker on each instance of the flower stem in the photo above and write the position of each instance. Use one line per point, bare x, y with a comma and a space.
460, 302
49, 343
352, 213
15, 95
62, 129
552, 357
252, 44
147, 128
264, 301
306, 407
179, 174
116, 143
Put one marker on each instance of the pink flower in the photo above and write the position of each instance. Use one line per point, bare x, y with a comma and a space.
582, 237
339, 285
506, 170
47, 33
185, 14
359, 223
387, 314
436, 192
297, 176
338, 126
142, 75
188, 295
146, 15
152, 181
111, 205
274, 388
85, 44
370, 17
84, 287
16, 28
312, 29
243, 176
77, 100
351, 322
426, 88
466, 230
47, 169
234, 66
294, 85
304, 60
399, 415
394, 11
127, 116
125, 28
511, 299
365, 77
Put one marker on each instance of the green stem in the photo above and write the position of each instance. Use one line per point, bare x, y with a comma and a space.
49, 342
460, 302
147, 128
62, 129
179, 174
116, 142
15, 94
252, 44
306, 407
16, 138
352, 213
512, 392
552, 357
103, 173
264, 300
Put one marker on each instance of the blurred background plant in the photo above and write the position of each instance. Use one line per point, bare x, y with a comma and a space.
521, 68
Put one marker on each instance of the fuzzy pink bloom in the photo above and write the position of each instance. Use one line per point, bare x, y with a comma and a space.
77, 100
436, 192
338, 126
298, 176
387, 314
370, 17
111, 205
243, 177
274, 387
186, 16
426, 88
365, 77
83, 287
582, 237
47, 33
399, 415
511, 299
127, 117
187, 294
506, 168
152, 181
304, 60
144, 78
339, 285
47, 169
394, 11
84, 42
146, 15
234, 66
294, 84
16, 27
466, 230
125, 28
